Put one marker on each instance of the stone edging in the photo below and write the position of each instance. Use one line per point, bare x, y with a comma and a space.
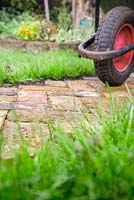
35, 46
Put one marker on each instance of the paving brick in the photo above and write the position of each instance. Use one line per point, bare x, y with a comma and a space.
118, 94
3, 115
7, 95
6, 98
93, 103
32, 96
65, 103
11, 91
43, 88
32, 132
80, 85
82, 93
45, 116
22, 106
56, 83
14, 134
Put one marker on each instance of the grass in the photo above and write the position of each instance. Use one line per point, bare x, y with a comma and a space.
95, 162
16, 66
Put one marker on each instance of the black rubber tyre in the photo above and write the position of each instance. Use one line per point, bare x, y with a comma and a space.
104, 41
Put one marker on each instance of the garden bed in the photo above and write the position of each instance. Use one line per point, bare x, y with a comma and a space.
36, 46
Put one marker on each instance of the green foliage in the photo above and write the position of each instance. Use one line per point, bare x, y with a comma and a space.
25, 26
16, 66
62, 16
64, 19
9, 24
73, 35
25, 16
6, 24
2, 27
94, 162
68, 36
16, 7
9, 28
30, 27
4, 16
33, 30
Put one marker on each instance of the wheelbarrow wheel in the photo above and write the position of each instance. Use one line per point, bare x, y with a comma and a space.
115, 31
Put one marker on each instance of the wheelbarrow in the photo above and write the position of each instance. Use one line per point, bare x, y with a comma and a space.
113, 41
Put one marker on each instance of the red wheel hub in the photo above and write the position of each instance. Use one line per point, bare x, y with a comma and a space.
124, 37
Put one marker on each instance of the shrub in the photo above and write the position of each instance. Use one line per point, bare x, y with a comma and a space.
10, 23
62, 16
7, 29
32, 30
73, 35
37, 29
19, 6
68, 36
64, 19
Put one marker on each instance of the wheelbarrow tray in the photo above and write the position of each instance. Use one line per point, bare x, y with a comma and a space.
109, 4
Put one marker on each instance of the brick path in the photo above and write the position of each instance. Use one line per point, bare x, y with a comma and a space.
28, 109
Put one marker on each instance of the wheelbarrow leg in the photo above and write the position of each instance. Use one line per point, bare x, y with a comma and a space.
97, 13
